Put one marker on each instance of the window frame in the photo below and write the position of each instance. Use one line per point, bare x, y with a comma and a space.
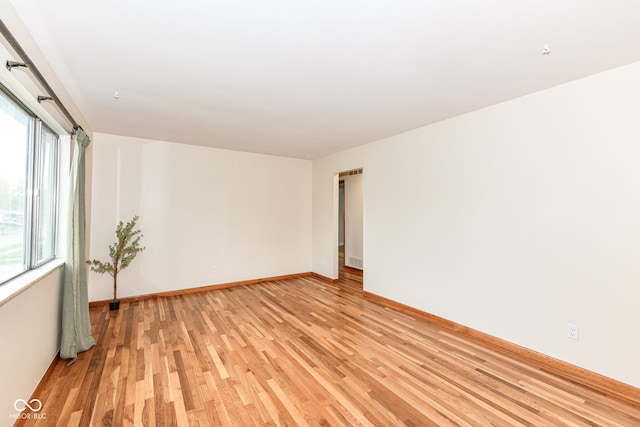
37, 191
34, 182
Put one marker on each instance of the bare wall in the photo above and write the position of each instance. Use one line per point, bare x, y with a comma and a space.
247, 214
30, 334
512, 220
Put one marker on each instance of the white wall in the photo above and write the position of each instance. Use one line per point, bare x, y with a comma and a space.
512, 220
353, 220
30, 337
248, 214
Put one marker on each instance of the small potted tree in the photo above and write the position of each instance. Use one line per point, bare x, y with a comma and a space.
122, 252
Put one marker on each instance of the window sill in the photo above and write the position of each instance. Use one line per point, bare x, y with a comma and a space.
16, 286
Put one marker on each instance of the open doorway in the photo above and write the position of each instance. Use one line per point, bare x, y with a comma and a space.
350, 227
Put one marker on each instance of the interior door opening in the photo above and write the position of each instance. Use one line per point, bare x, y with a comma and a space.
350, 226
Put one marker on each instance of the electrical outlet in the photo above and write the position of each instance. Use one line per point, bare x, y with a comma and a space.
214, 268
572, 331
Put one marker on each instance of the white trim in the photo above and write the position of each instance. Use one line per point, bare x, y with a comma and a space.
16, 286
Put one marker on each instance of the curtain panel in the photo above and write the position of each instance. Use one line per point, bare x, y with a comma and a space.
76, 327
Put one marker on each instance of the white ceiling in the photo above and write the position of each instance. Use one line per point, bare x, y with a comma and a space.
306, 78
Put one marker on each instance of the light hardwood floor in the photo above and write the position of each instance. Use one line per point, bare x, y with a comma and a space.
301, 352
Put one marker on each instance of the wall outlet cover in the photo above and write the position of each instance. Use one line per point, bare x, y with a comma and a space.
572, 331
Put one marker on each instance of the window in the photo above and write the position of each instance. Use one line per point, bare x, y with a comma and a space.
28, 189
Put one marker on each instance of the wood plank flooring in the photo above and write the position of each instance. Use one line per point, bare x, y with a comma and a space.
300, 352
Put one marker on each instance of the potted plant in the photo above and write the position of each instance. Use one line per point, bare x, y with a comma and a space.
122, 252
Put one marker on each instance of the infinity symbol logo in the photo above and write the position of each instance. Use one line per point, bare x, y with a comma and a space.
21, 404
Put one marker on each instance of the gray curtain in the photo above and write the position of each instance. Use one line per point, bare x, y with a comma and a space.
76, 328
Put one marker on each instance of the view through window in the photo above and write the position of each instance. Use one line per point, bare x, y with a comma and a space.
28, 189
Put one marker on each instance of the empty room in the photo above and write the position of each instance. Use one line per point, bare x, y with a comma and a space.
279, 213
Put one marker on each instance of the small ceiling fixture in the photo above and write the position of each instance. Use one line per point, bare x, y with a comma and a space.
546, 50
116, 95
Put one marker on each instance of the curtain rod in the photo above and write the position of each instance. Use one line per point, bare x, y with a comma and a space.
36, 73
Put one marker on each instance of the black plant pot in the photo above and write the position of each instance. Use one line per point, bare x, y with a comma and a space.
114, 305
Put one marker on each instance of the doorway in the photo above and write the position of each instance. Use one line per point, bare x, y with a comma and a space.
350, 227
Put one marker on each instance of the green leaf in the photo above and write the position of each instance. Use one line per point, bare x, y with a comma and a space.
123, 251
